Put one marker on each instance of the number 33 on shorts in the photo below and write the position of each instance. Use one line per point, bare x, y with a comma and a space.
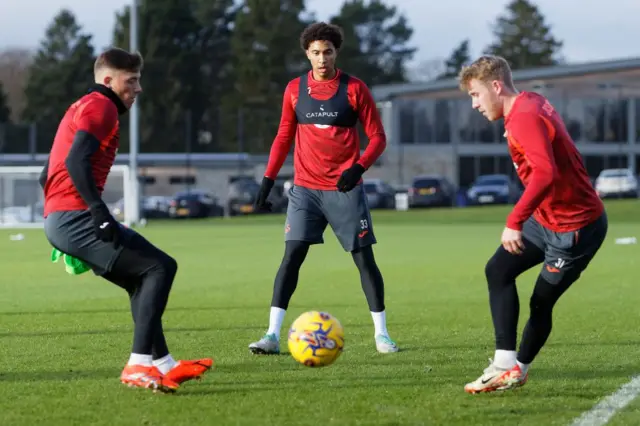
364, 228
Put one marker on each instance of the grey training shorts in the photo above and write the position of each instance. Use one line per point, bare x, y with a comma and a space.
310, 210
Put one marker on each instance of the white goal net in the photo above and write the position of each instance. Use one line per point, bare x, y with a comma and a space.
22, 198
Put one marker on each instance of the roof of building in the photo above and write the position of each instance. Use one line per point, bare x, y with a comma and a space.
385, 92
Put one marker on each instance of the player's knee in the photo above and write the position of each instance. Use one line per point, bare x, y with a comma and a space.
295, 253
363, 258
166, 266
543, 299
495, 272
540, 306
170, 266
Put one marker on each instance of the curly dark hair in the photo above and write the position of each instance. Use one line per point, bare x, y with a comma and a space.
321, 31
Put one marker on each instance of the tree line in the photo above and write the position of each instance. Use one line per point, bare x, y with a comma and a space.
215, 70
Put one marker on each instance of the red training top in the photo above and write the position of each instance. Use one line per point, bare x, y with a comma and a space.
558, 191
322, 153
95, 114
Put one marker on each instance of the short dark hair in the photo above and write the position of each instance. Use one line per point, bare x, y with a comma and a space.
321, 31
119, 59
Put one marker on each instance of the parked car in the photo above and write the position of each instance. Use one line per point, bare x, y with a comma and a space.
279, 196
151, 207
380, 195
617, 183
155, 207
242, 195
195, 203
431, 191
494, 189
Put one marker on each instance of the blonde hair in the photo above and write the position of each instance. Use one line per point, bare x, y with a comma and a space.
486, 68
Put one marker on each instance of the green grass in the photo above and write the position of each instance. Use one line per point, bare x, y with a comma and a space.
64, 340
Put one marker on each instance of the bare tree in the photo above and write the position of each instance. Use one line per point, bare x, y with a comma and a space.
14, 71
427, 70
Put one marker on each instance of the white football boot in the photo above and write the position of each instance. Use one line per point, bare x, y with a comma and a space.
385, 345
268, 345
497, 379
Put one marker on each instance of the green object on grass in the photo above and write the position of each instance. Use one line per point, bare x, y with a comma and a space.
72, 265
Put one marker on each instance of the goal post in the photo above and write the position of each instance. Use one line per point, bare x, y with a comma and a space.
22, 198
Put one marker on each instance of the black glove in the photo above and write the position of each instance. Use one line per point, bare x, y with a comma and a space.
106, 228
261, 203
350, 178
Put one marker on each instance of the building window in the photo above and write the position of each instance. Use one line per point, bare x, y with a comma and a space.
602, 121
616, 161
574, 117
487, 165
442, 121
593, 124
466, 171
500, 131
473, 127
638, 119
425, 121
594, 165
424, 125
407, 122
616, 123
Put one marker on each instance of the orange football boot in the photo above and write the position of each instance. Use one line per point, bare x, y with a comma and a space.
189, 370
148, 377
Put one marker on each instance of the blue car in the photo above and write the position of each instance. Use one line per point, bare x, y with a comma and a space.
494, 189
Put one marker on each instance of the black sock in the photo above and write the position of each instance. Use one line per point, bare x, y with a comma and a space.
287, 277
501, 271
370, 278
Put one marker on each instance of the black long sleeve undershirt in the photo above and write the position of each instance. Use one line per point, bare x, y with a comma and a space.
78, 164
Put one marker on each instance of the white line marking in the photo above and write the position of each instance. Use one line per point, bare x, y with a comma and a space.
603, 411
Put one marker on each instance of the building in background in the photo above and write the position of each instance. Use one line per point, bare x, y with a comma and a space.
432, 128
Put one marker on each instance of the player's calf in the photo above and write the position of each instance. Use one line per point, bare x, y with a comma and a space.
283, 287
373, 287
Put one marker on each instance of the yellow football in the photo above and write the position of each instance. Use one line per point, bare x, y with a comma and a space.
316, 339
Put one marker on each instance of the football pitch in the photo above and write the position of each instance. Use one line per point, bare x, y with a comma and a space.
64, 340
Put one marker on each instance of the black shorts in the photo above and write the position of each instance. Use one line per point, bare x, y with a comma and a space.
72, 233
310, 210
566, 251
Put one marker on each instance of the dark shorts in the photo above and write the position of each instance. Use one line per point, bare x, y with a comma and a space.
310, 210
566, 252
72, 233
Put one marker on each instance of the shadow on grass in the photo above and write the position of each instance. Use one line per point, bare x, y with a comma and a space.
280, 384
59, 375
124, 309
257, 328
90, 332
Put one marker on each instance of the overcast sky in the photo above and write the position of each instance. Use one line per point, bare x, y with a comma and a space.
591, 29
